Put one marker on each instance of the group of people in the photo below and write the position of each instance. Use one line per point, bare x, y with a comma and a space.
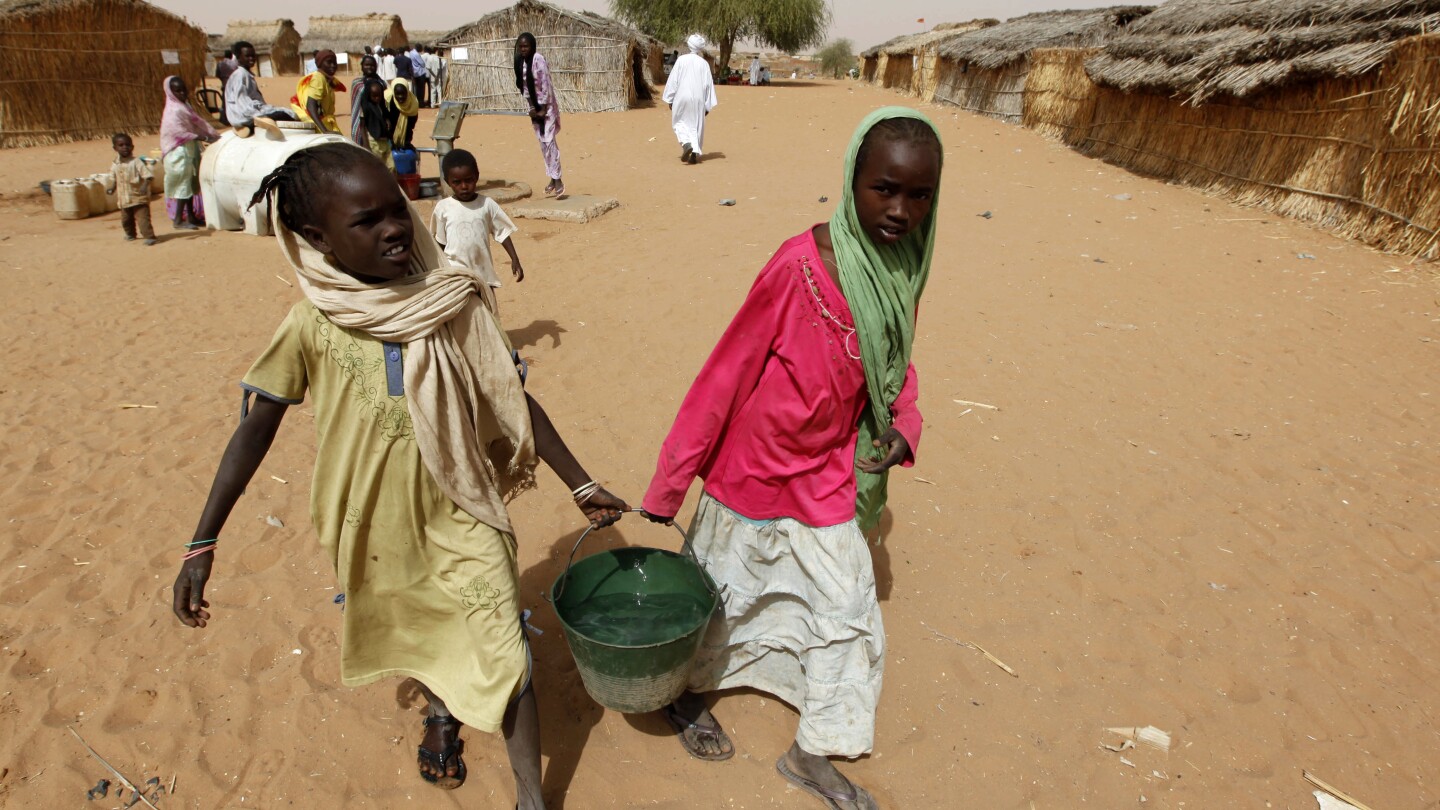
385, 102
421, 65
383, 114
182, 130
427, 432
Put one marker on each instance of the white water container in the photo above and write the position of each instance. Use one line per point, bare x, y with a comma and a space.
94, 194
70, 199
112, 201
232, 168
157, 176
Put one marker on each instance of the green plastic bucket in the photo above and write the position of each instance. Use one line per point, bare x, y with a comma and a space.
634, 618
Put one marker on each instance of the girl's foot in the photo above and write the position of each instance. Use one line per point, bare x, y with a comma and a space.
817, 776
698, 730
439, 753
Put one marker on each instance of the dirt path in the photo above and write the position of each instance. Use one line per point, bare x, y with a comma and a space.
1207, 502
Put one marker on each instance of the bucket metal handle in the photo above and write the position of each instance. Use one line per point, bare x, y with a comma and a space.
685, 548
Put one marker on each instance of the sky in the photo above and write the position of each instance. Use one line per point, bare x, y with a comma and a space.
863, 22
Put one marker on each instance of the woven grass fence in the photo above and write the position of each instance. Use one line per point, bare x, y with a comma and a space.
1356, 156
590, 73
998, 93
54, 91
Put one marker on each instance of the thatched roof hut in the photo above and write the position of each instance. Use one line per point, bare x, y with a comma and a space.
277, 44
1327, 111
351, 35
597, 64
984, 71
426, 36
910, 64
129, 48
1204, 49
870, 58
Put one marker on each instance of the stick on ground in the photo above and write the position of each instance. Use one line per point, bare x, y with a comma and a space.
972, 645
1339, 794
126, 782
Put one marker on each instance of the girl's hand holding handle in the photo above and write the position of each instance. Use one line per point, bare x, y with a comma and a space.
895, 448
602, 508
661, 519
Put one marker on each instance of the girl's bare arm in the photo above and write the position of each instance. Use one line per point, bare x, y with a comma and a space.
602, 508
247, 448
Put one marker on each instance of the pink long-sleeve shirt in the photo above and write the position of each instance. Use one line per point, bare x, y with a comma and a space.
770, 422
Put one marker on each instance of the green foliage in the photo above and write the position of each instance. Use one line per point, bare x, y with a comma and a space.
837, 57
785, 25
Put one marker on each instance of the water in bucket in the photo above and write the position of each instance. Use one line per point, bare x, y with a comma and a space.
635, 620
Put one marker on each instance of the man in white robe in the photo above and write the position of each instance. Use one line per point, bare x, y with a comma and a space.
690, 92
755, 72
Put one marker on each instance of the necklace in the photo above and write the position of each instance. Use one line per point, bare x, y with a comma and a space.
825, 312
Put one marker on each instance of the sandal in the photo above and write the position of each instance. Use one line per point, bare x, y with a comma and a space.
683, 726
858, 796
686, 152
441, 761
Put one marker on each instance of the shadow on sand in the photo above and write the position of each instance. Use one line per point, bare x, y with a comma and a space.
527, 336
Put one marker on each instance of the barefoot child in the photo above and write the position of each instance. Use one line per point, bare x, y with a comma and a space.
424, 431
129, 181
805, 403
465, 223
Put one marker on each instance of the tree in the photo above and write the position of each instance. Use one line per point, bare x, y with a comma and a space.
837, 57
785, 25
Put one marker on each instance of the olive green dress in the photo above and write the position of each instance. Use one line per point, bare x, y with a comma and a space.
430, 592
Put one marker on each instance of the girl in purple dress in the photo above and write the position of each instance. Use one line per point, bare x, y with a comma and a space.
532, 78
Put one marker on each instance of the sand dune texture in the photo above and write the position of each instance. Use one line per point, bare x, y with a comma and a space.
1207, 502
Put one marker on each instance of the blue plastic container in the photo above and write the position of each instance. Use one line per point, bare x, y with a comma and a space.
406, 161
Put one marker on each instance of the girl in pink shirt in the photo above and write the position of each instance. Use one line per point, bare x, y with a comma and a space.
804, 405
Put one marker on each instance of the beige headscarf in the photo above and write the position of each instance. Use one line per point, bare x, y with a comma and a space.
472, 423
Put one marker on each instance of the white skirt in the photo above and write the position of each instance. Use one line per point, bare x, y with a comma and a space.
799, 620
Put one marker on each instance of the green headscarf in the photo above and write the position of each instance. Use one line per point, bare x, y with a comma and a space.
882, 286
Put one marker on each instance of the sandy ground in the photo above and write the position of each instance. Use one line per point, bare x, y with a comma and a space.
1207, 502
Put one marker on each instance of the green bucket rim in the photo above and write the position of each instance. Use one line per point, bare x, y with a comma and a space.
705, 580
689, 554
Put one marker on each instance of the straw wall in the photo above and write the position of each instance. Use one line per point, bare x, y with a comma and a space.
897, 72
1354, 155
869, 68
998, 93
87, 70
927, 79
590, 73
1059, 97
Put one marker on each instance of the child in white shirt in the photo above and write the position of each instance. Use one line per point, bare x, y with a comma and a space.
465, 223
